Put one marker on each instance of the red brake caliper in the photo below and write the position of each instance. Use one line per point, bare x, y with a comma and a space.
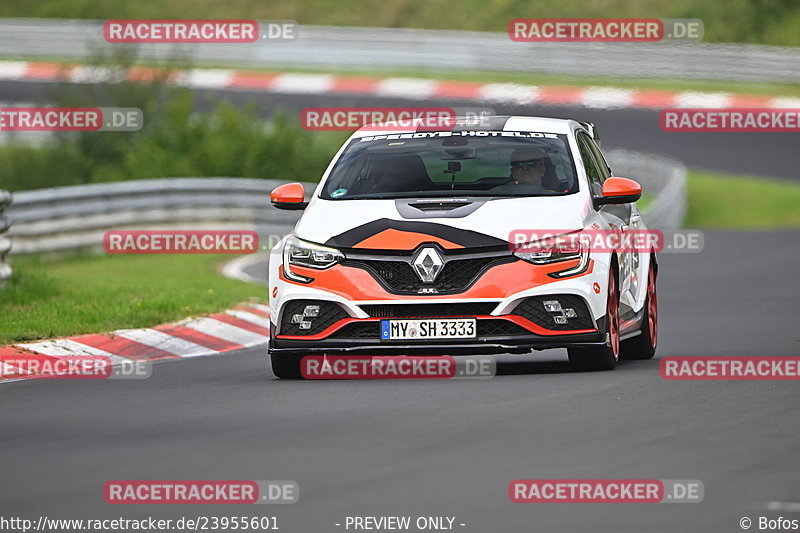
652, 306
613, 315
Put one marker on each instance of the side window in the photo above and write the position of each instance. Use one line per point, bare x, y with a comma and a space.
605, 173
589, 163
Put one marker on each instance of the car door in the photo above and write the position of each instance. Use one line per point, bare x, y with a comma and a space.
619, 217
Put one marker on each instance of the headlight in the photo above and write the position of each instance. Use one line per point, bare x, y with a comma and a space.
309, 255
546, 257
554, 250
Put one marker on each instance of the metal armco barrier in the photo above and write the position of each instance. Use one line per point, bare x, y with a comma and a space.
662, 178
74, 217
5, 242
336, 47
65, 218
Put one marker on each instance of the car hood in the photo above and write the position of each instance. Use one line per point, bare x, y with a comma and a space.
394, 224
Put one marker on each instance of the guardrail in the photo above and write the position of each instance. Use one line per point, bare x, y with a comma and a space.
662, 178
364, 47
5, 243
65, 218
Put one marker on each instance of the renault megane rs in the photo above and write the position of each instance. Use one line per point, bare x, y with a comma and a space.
411, 244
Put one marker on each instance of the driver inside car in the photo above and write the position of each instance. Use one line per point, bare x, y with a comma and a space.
528, 166
529, 169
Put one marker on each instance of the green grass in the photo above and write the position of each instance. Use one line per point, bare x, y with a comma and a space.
645, 201
741, 202
90, 294
755, 21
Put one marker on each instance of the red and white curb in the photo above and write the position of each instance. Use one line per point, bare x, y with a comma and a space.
244, 326
413, 88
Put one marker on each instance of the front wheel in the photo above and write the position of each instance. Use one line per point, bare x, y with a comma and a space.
285, 366
644, 346
602, 357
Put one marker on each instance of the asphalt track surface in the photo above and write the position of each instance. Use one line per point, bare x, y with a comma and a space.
757, 154
450, 448
447, 448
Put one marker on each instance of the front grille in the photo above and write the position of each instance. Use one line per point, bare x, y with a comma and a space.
500, 328
533, 310
329, 313
456, 276
359, 330
429, 310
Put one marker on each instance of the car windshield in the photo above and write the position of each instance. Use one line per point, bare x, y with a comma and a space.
458, 163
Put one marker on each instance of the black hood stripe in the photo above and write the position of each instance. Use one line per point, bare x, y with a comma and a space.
462, 237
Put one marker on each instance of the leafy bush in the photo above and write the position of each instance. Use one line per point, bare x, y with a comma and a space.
176, 139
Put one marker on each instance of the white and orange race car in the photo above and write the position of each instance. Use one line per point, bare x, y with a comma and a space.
457, 241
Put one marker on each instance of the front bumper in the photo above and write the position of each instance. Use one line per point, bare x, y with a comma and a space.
528, 326
498, 345
340, 312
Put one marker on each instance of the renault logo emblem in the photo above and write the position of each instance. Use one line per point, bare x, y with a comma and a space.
427, 264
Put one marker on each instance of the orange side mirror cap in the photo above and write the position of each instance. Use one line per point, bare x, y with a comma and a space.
289, 196
619, 191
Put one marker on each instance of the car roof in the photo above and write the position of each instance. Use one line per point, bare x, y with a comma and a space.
492, 123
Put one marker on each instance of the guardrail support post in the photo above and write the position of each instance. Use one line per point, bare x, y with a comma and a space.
5, 243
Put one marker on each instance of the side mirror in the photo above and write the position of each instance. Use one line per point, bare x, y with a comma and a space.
619, 191
289, 196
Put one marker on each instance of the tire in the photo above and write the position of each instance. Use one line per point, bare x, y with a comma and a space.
644, 346
285, 366
602, 357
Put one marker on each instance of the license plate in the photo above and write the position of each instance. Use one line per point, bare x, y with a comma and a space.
431, 328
